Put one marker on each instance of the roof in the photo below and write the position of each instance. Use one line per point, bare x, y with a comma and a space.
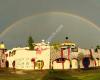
67, 42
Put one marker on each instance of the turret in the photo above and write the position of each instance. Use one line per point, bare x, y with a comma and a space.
2, 54
2, 45
68, 44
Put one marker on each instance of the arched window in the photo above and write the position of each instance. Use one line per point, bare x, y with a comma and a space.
60, 60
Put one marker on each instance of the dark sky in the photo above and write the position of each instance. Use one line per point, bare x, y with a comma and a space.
12, 11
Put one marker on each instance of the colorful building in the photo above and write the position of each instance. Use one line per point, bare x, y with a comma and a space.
69, 56
44, 56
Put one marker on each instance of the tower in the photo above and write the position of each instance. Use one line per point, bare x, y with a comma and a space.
2, 55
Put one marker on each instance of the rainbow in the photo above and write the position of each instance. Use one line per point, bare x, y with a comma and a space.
63, 13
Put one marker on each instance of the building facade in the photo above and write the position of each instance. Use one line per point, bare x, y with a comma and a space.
23, 58
44, 56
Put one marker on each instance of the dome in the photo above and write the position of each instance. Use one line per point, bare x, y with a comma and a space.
2, 45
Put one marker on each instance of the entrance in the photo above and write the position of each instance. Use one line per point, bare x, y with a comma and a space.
7, 64
86, 62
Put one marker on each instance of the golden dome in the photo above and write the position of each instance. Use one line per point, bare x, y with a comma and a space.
2, 45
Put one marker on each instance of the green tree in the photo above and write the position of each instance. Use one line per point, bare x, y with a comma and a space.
79, 58
56, 46
30, 43
97, 47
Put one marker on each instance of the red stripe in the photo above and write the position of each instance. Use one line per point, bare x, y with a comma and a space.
62, 57
95, 62
39, 50
68, 53
61, 53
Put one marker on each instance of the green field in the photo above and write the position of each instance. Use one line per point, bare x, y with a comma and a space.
10, 74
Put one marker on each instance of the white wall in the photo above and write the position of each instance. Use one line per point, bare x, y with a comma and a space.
74, 64
92, 63
67, 64
23, 58
57, 65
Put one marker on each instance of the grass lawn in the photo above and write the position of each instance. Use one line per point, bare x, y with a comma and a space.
10, 74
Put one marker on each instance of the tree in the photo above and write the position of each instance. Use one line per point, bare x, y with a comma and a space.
30, 43
97, 47
80, 57
56, 46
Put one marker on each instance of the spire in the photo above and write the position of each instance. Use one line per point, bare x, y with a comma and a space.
66, 37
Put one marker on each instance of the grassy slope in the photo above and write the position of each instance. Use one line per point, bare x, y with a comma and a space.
9, 74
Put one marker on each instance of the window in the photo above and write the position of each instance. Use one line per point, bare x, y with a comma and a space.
74, 49
60, 60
